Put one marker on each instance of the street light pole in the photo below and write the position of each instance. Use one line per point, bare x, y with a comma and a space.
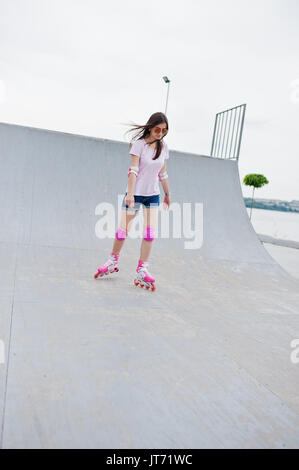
166, 80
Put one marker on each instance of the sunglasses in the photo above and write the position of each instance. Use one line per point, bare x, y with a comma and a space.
158, 129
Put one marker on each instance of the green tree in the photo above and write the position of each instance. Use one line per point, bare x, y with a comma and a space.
257, 181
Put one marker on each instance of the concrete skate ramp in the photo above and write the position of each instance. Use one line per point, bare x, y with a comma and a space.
205, 361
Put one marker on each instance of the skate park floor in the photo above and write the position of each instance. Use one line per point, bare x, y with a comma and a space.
286, 257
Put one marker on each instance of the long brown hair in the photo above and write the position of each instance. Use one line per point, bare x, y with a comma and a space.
144, 130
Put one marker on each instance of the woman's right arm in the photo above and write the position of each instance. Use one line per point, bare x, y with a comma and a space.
131, 182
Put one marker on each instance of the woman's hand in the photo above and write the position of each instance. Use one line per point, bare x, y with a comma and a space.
130, 201
166, 202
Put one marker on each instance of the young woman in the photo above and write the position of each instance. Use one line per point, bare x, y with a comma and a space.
148, 165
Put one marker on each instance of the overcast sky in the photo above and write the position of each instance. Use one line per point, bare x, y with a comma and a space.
88, 66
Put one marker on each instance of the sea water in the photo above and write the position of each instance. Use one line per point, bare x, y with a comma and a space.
277, 224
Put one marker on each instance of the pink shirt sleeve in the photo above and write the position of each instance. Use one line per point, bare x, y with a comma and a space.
136, 148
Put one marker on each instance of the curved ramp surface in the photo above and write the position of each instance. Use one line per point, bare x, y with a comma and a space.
204, 361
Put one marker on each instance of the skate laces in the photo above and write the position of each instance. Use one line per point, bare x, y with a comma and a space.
110, 260
143, 268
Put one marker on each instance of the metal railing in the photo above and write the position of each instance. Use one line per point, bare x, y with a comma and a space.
228, 130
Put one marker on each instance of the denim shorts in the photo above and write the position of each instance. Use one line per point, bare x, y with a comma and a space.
147, 201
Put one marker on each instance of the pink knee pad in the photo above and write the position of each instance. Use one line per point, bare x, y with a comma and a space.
150, 234
121, 234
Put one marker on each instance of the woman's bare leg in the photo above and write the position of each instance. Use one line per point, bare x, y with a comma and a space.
150, 219
127, 218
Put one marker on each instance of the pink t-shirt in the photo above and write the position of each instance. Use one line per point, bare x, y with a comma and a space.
147, 181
